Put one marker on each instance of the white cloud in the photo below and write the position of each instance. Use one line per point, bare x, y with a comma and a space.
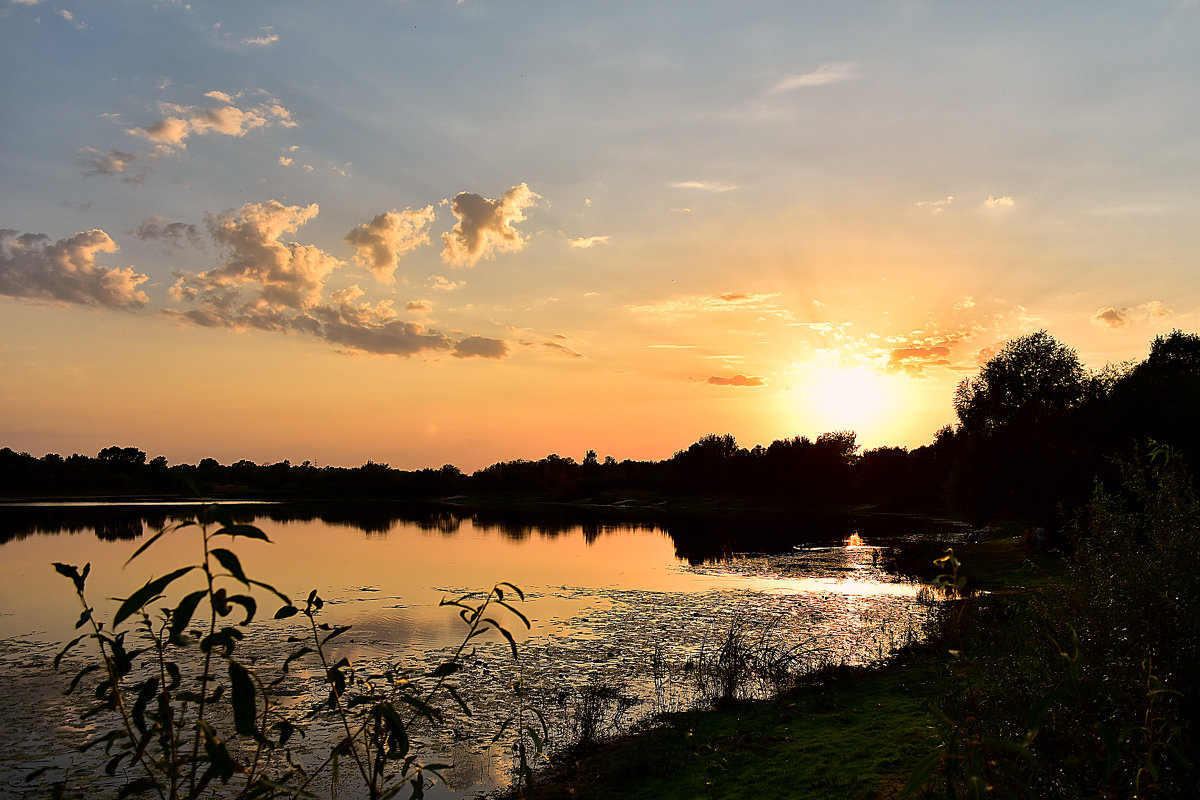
382, 242
34, 268
828, 73
586, 242
999, 202
485, 226
936, 206
265, 39
726, 302
704, 186
172, 131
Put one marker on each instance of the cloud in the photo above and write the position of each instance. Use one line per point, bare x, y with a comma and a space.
32, 267
824, 75
380, 243
1109, 318
265, 39
480, 347
261, 278
725, 302
586, 242
737, 380
915, 359
936, 206
1117, 318
369, 328
704, 186
562, 348
485, 226
418, 306
999, 202
443, 284
174, 233
172, 131
112, 163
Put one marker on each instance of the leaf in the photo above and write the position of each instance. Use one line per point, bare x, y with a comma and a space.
79, 676
338, 631
153, 589
448, 668
512, 643
242, 697
138, 786
247, 602
68, 646
110, 768
521, 616
286, 611
223, 765
303, 651
395, 726
146, 544
73, 573
244, 531
922, 772
230, 562
458, 699
182, 615
512, 586
270, 589
422, 708
84, 617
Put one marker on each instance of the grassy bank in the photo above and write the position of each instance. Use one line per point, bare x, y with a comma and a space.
847, 733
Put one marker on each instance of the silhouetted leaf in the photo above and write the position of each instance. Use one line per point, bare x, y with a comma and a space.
79, 676
303, 651
242, 695
338, 631
223, 765
230, 562
146, 544
520, 616
244, 531
68, 646
512, 586
143, 595
247, 602
84, 617
182, 615
458, 699
73, 573
286, 611
396, 729
138, 786
448, 668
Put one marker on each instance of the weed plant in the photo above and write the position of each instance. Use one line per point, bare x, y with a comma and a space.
1088, 688
185, 713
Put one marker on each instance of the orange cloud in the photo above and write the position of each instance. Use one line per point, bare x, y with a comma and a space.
485, 227
382, 242
33, 267
737, 380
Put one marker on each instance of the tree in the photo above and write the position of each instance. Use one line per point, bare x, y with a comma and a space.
1032, 381
1020, 453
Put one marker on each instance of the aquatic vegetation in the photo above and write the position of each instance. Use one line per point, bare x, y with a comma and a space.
187, 712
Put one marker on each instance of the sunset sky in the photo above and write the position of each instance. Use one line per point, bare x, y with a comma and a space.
462, 232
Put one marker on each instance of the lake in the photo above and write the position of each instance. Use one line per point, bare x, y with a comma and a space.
623, 615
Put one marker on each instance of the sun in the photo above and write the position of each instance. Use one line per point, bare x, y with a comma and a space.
853, 398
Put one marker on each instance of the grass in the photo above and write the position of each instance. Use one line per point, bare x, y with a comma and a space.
847, 733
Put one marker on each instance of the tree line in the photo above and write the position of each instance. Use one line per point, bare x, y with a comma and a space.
1034, 431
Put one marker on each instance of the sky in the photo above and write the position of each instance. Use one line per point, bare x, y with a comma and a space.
421, 233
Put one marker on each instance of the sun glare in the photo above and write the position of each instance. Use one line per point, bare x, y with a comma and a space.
850, 398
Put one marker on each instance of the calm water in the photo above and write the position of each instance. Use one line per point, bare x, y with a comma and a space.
628, 609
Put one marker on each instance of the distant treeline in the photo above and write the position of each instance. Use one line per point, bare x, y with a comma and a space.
1035, 431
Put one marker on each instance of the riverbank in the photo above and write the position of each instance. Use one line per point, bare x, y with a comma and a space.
846, 733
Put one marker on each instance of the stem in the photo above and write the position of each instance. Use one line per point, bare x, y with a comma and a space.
350, 737
115, 682
212, 627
